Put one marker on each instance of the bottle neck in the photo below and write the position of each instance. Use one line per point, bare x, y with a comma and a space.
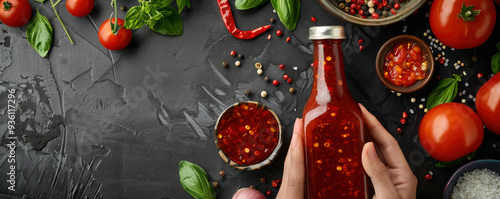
329, 79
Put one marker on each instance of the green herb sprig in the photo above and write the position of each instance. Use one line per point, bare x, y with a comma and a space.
40, 34
445, 91
195, 181
158, 15
495, 61
288, 10
248, 4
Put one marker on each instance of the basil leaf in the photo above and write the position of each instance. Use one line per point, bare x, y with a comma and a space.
247, 4
169, 24
445, 91
288, 12
183, 3
40, 34
455, 163
495, 63
136, 17
195, 181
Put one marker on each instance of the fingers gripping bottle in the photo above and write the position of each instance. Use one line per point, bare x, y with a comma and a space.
333, 124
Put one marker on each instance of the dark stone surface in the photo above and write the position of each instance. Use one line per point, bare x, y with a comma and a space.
94, 123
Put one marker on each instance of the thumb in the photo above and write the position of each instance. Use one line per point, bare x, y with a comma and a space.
294, 171
378, 172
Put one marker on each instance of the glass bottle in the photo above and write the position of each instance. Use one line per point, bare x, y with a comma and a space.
333, 124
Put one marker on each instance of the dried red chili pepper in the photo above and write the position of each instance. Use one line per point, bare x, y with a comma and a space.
227, 17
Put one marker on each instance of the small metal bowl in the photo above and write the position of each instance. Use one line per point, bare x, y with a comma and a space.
230, 113
426, 53
493, 165
407, 8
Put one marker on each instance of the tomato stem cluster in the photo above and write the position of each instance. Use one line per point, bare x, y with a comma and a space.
7, 5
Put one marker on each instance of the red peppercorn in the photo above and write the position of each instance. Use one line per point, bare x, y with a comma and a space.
352, 11
282, 66
269, 37
353, 1
268, 192
393, 11
375, 2
313, 19
232, 53
276, 82
360, 41
361, 12
275, 183
361, 48
375, 15
479, 75
289, 80
402, 120
405, 115
428, 177
438, 77
222, 173
397, 6
279, 33
358, 7
288, 39
353, 6
380, 6
286, 77
441, 61
400, 130
384, 2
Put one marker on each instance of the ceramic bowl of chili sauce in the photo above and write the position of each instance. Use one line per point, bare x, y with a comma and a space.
405, 64
248, 135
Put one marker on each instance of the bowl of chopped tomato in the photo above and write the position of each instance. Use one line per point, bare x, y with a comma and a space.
248, 135
405, 64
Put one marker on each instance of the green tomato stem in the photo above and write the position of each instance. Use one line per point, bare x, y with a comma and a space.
64, 27
7, 6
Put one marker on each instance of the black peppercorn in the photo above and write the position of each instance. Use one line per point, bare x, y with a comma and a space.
272, 20
123, 8
248, 92
240, 55
364, 7
225, 64
267, 79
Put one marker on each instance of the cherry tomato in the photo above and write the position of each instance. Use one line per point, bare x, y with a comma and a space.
450, 131
79, 8
15, 13
488, 104
112, 41
453, 31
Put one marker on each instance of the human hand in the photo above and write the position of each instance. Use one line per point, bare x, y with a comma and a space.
385, 163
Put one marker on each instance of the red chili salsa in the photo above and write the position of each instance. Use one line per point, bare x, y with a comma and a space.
248, 133
404, 64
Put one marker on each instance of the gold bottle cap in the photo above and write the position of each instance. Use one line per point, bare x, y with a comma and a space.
326, 32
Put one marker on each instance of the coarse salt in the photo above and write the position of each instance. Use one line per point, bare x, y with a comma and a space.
479, 183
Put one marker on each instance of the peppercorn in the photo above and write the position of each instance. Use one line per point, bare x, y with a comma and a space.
276, 82
268, 36
405, 115
263, 94
288, 39
260, 71
279, 33
267, 79
222, 173
342, 5
397, 6
240, 56
364, 7
347, 9
225, 64
428, 177
360, 42
232, 53
268, 192
252, 187
237, 63
275, 183
215, 184
289, 80
272, 19
263, 179
402, 120
282, 66
393, 11
479, 75
123, 8
400, 130
258, 65
375, 15
313, 19
361, 48
292, 90
285, 77
248, 92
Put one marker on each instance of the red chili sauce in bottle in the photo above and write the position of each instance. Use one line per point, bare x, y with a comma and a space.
404, 64
333, 124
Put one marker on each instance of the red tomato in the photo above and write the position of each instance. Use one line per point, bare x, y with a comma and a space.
15, 13
488, 104
79, 8
112, 41
450, 131
453, 31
